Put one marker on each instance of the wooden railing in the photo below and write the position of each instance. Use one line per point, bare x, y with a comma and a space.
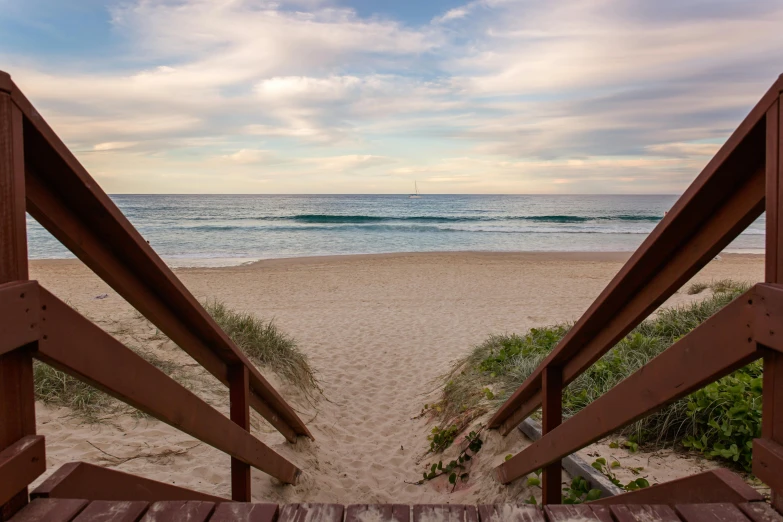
39, 175
741, 181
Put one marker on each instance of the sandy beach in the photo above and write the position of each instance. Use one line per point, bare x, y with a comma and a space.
379, 330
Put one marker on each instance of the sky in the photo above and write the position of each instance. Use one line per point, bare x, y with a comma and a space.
368, 96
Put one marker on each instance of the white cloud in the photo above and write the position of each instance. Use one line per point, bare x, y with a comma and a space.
492, 95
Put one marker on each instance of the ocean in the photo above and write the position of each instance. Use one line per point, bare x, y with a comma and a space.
223, 230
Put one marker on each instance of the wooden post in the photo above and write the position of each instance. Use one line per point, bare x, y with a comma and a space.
552, 409
17, 396
239, 393
772, 413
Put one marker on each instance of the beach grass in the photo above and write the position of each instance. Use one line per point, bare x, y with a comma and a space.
719, 421
265, 344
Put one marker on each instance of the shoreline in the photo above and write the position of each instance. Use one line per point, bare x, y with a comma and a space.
563, 255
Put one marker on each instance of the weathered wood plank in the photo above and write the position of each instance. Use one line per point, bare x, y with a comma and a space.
82, 480
112, 511
179, 511
20, 464
760, 512
717, 485
50, 510
510, 513
312, 513
75, 345
643, 513
722, 512
378, 513
244, 512
446, 512
571, 512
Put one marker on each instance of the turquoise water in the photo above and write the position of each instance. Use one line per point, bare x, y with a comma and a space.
199, 230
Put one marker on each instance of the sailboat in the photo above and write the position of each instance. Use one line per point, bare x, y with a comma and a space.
416, 194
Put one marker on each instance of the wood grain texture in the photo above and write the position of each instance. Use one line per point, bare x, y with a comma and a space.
245, 512
312, 513
643, 513
179, 511
721, 512
378, 513
112, 511
50, 510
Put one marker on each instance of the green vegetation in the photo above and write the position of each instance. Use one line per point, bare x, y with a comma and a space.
718, 421
458, 468
265, 344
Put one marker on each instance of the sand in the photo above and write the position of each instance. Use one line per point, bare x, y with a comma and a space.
380, 330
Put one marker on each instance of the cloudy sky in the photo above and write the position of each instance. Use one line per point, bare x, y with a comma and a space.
366, 96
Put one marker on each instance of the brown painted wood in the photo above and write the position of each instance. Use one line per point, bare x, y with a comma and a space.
244, 512
768, 463
50, 510
570, 513
19, 308
17, 401
643, 513
75, 345
311, 513
552, 417
509, 513
450, 512
82, 480
772, 405
603, 513
239, 394
760, 512
378, 513
773, 188
64, 198
113, 511
20, 464
179, 511
718, 485
723, 200
722, 512
715, 348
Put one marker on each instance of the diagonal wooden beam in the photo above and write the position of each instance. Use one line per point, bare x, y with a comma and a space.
715, 348
75, 345
722, 201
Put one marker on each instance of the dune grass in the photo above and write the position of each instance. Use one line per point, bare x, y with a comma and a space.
265, 344
718, 421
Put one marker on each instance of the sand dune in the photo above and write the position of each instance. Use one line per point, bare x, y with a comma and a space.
380, 330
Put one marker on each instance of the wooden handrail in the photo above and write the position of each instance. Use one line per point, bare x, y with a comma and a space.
39, 174
715, 348
63, 197
724, 199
